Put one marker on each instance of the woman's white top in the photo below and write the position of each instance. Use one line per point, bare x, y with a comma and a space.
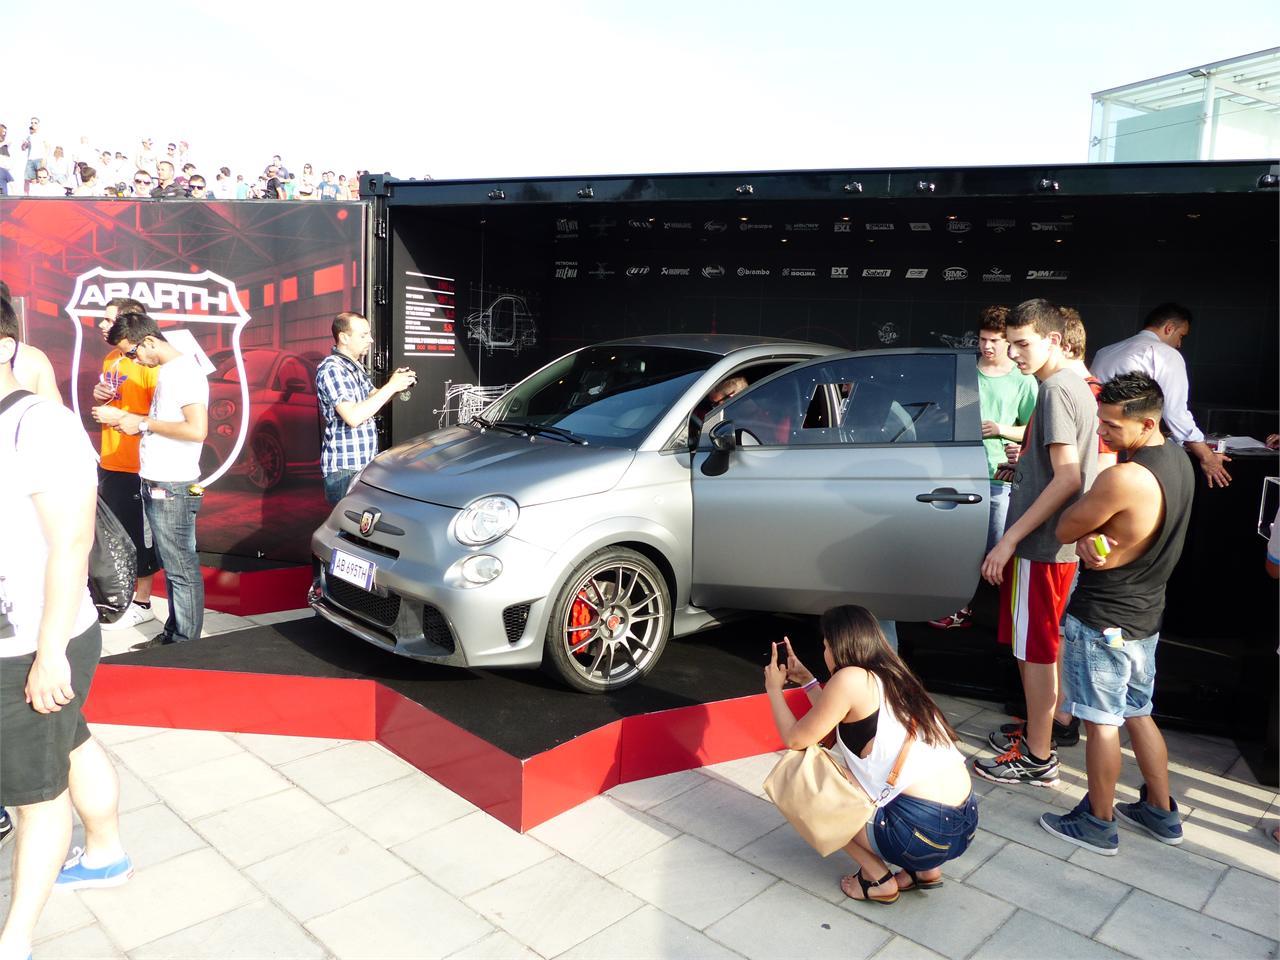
924, 760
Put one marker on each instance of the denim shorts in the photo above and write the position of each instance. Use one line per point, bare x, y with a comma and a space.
1107, 684
922, 834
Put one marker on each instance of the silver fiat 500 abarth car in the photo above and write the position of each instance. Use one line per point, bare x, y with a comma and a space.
641, 489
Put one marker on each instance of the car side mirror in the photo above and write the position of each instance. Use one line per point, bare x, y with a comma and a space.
724, 437
724, 441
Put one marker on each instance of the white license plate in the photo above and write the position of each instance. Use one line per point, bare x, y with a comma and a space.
352, 569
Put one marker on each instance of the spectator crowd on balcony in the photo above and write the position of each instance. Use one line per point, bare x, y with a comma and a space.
34, 165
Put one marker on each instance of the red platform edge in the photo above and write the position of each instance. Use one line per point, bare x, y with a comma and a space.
520, 793
247, 593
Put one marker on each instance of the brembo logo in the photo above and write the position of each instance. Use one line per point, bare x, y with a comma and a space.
753, 271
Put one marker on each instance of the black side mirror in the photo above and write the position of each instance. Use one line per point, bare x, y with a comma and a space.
724, 441
724, 437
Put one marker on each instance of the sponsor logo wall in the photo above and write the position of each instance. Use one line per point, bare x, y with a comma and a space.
248, 289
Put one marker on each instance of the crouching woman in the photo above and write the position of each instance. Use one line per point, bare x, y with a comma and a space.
929, 815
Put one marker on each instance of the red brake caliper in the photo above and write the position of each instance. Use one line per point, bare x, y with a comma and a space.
580, 614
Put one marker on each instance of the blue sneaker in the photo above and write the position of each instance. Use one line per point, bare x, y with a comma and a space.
76, 876
1083, 829
1164, 825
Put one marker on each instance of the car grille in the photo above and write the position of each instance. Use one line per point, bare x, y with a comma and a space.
514, 619
435, 628
383, 610
368, 544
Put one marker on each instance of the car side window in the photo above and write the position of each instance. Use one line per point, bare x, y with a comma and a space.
897, 398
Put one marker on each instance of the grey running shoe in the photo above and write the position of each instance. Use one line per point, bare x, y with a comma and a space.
6, 826
1083, 829
1164, 825
1011, 767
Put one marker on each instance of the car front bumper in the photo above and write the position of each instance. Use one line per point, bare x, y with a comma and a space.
419, 605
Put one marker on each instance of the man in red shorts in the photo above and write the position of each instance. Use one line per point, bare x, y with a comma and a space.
1033, 570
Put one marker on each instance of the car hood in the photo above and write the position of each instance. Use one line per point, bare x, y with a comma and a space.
454, 466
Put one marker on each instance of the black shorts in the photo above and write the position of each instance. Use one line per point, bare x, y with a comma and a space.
35, 748
123, 493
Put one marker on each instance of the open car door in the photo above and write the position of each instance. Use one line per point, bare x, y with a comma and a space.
857, 478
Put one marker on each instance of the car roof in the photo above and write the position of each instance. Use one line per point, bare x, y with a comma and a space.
721, 344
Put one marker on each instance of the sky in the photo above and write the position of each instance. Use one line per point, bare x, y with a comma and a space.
504, 89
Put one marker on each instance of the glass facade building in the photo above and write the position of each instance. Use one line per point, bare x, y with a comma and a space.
1229, 110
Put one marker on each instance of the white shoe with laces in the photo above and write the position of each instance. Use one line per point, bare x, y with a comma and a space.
131, 618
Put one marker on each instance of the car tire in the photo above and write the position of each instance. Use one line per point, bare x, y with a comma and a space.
610, 622
266, 460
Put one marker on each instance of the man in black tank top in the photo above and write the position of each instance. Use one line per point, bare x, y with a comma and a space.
1128, 530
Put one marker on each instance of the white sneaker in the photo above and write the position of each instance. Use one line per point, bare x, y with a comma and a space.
130, 618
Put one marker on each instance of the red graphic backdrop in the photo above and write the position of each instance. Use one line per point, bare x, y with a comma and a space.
293, 266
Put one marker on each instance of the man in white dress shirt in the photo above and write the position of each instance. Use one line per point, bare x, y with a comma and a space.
1156, 351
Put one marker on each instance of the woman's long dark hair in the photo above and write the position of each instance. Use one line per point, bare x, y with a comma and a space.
856, 640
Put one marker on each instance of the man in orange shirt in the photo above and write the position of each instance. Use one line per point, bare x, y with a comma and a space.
126, 384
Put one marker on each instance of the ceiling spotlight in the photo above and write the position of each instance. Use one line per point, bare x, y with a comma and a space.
497, 195
853, 186
845, 219
1193, 216
925, 186
1199, 73
586, 193
744, 219
1047, 185
784, 239
745, 188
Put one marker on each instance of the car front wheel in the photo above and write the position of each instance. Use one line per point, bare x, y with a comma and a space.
610, 622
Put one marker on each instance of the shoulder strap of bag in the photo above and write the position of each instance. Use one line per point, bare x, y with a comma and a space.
13, 398
900, 762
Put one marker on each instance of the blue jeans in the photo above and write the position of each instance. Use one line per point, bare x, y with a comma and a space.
1107, 684
996, 516
173, 529
922, 834
335, 485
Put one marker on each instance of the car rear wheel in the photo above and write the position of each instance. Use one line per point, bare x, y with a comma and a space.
610, 622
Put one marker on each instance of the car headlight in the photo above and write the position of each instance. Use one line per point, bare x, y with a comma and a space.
485, 520
222, 409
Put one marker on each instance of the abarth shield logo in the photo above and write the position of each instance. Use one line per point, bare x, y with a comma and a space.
196, 312
369, 521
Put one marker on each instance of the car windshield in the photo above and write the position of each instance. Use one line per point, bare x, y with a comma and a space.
257, 364
607, 395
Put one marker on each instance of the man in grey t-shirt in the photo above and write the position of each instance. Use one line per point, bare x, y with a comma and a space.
1034, 571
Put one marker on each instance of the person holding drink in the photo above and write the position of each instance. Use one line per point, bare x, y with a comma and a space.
924, 816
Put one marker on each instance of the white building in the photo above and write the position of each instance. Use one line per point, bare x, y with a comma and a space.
1229, 110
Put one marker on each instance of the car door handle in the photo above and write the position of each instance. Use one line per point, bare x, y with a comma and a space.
948, 496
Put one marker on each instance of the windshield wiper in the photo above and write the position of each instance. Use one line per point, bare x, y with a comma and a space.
484, 424
557, 432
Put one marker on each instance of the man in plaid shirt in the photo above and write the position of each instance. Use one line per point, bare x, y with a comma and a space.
349, 402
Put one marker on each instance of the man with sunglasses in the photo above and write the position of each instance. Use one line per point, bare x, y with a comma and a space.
128, 385
173, 434
142, 184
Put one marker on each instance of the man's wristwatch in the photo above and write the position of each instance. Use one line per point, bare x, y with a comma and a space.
143, 426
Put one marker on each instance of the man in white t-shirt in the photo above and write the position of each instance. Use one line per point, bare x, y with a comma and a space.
169, 465
49, 648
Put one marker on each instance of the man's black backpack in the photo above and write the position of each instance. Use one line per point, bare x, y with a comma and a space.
113, 559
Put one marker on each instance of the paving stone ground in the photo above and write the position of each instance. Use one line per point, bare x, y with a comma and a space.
289, 847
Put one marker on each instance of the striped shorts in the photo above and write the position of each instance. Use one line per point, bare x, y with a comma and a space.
1033, 598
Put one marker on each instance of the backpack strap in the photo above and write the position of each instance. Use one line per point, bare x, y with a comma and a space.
14, 397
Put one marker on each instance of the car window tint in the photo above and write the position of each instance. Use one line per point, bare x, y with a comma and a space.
898, 398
